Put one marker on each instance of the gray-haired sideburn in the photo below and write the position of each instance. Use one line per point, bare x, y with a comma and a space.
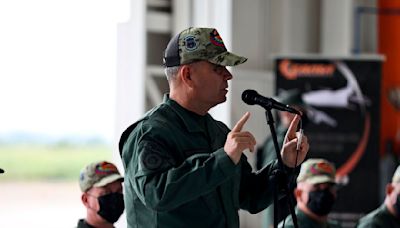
171, 72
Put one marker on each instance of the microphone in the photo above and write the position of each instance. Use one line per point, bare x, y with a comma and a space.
251, 97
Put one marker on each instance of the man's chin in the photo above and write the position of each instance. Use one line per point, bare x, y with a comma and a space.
222, 100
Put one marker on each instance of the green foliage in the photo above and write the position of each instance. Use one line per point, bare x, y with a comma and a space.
48, 162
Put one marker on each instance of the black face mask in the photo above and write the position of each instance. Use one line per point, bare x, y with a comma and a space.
320, 202
111, 206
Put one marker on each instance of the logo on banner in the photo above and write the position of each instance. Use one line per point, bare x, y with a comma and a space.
292, 70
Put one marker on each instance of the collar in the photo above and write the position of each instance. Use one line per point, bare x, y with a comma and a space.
188, 118
302, 216
83, 224
385, 210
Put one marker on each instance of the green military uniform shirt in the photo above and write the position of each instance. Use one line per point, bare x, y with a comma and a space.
380, 217
304, 221
83, 224
177, 173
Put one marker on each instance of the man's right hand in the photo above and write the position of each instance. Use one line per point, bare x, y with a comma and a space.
237, 141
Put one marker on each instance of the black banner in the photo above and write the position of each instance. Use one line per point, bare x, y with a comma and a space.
342, 99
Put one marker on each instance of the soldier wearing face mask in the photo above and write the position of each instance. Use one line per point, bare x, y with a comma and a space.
101, 186
388, 214
315, 195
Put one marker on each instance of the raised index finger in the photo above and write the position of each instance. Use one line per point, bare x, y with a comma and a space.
239, 125
291, 132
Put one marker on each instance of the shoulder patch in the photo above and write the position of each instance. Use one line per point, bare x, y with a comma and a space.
154, 157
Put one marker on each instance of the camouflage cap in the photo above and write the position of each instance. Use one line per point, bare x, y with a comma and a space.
317, 171
194, 44
396, 176
98, 174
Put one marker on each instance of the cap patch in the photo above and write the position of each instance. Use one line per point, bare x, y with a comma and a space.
216, 39
191, 42
105, 168
321, 168
82, 176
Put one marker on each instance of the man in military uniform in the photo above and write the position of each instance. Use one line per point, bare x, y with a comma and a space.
388, 214
315, 195
101, 186
185, 169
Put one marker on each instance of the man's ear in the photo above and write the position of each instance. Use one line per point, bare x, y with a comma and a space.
389, 188
84, 199
185, 75
297, 193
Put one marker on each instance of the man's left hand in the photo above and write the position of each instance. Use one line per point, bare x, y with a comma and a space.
290, 156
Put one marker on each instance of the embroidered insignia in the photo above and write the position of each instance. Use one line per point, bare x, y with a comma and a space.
321, 168
216, 39
191, 43
105, 168
153, 157
82, 176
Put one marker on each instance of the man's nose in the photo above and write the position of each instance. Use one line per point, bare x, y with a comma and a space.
227, 74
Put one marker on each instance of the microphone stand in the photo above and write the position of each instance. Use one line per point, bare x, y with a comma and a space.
276, 174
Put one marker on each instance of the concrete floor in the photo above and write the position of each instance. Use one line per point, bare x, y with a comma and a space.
57, 204
40, 204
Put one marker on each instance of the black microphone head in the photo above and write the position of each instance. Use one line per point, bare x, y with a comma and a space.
248, 96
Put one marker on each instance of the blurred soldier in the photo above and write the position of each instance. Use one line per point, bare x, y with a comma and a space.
101, 186
315, 194
388, 214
